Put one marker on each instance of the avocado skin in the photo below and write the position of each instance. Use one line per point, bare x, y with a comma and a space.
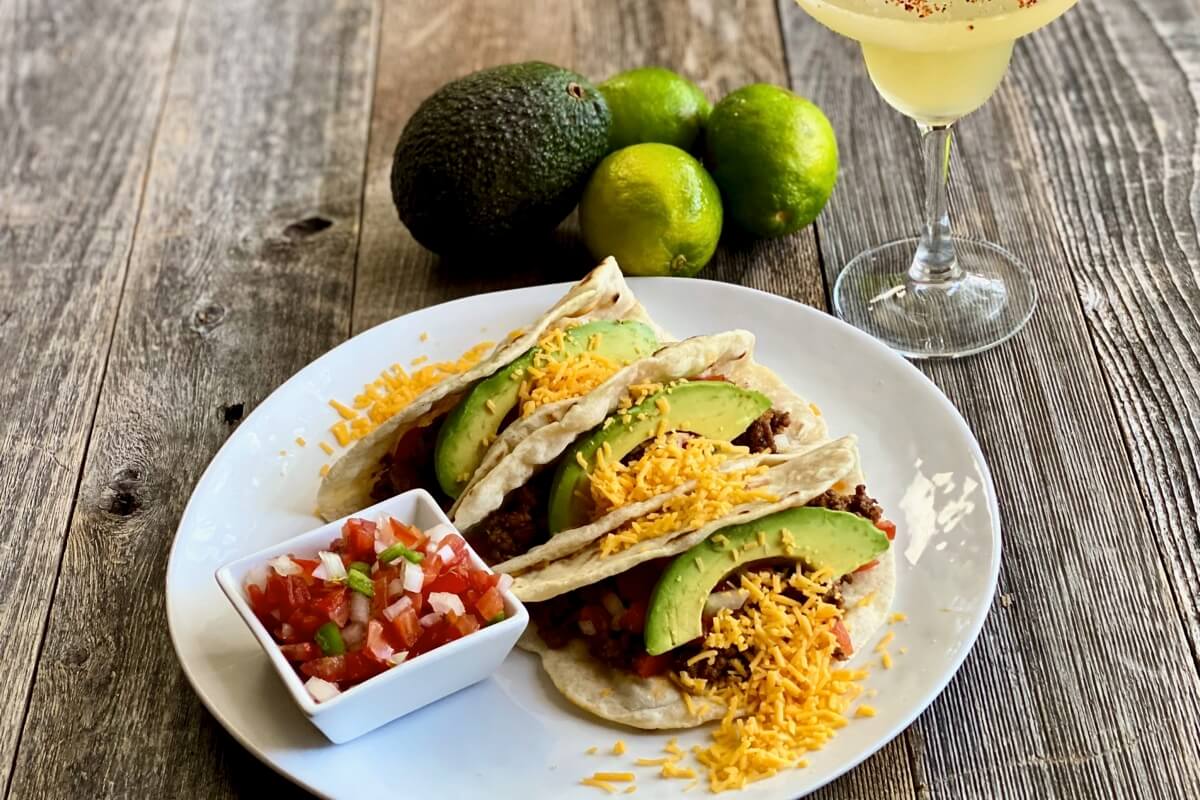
838, 540
460, 445
715, 409
497, 156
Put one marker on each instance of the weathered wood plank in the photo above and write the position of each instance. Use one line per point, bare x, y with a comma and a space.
264, 127
1082, 684
80, 107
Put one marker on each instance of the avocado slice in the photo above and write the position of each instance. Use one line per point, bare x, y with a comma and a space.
838, 540
473, 423
713, 409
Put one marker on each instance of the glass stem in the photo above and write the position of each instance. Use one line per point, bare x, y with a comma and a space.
935, 261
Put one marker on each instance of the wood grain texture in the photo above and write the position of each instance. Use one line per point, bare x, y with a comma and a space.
1082, 684
79, 110
229, 292
1130, 224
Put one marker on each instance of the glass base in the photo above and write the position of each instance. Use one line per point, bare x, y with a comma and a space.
990, 298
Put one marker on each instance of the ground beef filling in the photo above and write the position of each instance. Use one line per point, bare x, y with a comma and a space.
859, 503
409, 465
760, 436
517, 526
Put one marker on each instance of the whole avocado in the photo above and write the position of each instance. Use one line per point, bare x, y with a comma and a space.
498, 155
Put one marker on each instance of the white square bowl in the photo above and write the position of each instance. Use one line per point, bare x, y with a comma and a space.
402, 689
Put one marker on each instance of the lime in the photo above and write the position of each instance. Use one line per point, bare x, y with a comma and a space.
653, 208
774, 155
652, 104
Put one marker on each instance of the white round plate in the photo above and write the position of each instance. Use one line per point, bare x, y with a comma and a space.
512, 735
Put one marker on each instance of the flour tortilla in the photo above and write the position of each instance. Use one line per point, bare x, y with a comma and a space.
601, 295
657, 703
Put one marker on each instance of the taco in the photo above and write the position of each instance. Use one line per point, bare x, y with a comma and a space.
439, 440
683, 628
681, 436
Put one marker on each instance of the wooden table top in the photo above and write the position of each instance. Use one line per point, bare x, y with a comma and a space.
194, 205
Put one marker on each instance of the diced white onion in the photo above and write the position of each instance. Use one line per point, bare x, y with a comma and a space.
398, 658
285, 566
732, 599
258, 576
331, 567
414, 577
613, 604
587, 628
397, 608
395, 586
439, 532
286, 631
384, 538
506, 582
445, 602
360, 607
376, 644
321, 690
446, 553
353, 634
430, 619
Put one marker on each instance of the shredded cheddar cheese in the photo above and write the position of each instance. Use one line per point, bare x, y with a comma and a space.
300, 441
557, 375
899, 616
324, 470
864, 711
795, 696
326, 448
668, 462
392, 391
607, 787
591, 751
618, 748
614, 777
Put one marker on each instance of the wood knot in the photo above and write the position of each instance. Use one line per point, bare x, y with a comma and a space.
122, 498
309, 226
207, 318
233, 413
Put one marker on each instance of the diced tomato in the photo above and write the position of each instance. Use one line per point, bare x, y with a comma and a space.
888, 527
465, 624
258, 601
306, 564
454, 582
646, 665
482, 581
334, 606
634, 618
408, 627
304, 625
360, 666
432, 567
359, 535
286, 594
329, 668
406, 535
867, 567
306, 651
436, 635
843, 639
490, 604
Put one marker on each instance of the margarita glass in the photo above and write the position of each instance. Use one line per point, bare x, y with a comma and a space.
936, 61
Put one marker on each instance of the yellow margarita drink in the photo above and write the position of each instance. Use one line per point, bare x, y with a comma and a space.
935, 61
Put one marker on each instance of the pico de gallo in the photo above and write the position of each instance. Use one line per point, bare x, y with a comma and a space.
383, 592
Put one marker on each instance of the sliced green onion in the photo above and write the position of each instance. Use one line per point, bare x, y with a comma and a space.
395, 551
360, 583
360, 566
500, 617
329, 639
